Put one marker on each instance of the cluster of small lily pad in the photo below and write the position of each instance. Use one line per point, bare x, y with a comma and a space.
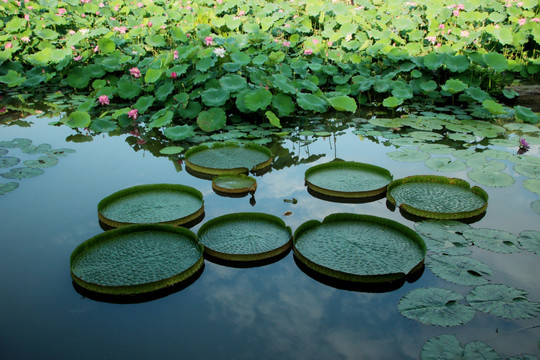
167, 65
47, 157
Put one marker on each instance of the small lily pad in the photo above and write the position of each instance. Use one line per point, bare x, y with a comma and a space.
425, 135
483, 164
245, 237
462, 137
234, 184
8, 161
136, 259
492, 239
445, 164
348, 179
156, 203
503, 142
8, 187
521, 127
21, 173
530, 241
448, 347
59, 152
359, 248
408, 155
437, 149
532, 185
504, 301
3, 151
171, 150
435, 306
460, 270
499, 154
42, 162
437, 197
228, 158
529, 171
15, 143
468, 154
491, 178
36, 149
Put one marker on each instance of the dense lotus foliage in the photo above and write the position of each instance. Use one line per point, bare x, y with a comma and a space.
179, 65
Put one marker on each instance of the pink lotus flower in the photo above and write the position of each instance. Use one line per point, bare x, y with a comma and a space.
535, 20
455, 12
133, 113
286, 43
103, 100
140, 5
25, 39
26, 17
135, 132
141, 141
464, 33
431, 39
461, 7
120, 29
150, 24
209, 40
61, 11
135, 72
96, 49
308, 52
77, 58
441, 26
174, 75
522, 21
8, 45
101, 5
175, 55
315, 41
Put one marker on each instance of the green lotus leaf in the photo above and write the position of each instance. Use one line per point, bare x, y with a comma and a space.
530, 240
460, 127
462, 137
443, 230
435, 306
535, 206
460, 270
529, 171
478, 163
78, 119
211, 120
3, 151
16, 143
284, 104
42, 162
498, 154
273, 119
12, 79
525, 160
245, 236
409, 155
215, 97
179, 132
496, 61
21, 173
15, 24
387, 122
503, 301
343, 103
161, 118
323, 134
283, 83
234, 184
127, 88
477, 94
434, 60
428, 86
423, 123
156, 40
532, 185
103, 125
8, 187
526, 128
311, 102
448, 347
257, 99
446, 248
156, 203
445, 164
171, 150
152, 75
164, 90
359, 248
144, 103
36, 149
233, 83
392, 102
526, 114
493, 107
8, 161
437, 197
491, 239
59, 152
205, 64
259, 59
107, 263
347, 179
491, 178
228, 158
454, 86
241, 58
503, 142
457, 63
48, 56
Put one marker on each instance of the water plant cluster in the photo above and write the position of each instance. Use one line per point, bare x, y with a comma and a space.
181, 65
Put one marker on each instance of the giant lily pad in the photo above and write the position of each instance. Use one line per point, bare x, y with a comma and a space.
8, 187
461, 270
228, 158
504, 301
359, 248
348, 179
157, 203
435, 306
136, 259
245, 237
234, 184
437, 197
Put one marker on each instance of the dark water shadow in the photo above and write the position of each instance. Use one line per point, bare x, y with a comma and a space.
344, 200
356, 286
139, 298
247, 264
189, 224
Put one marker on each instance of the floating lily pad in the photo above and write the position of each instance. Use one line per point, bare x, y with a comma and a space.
409, 155
245, 236
359, 248
136, 259
228, 158
157, 203
36, 149
443, 229
521, 127
535, 206
491, 239
15, 143
504, 301
445, 347
348, 179
529, 171
462, 137
171, 150
445, 164
491, 178
8, 161
461, 270
468, 154
234, 184
499, 154
446, 247
387, 122
59, 152
435, 306
8, 187
42, 162
21, 173
437, 197
483, 164
532, 185
404, 141
437, 149
503, 142
3, 151
425, 135
530, 240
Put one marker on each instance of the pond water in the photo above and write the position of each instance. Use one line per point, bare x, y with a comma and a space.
275, 311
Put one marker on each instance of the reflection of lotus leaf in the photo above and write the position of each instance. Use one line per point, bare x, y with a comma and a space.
437, 197
136, 259
245, 236
348, 179
359, 248
157, 203
8, 161
8, 187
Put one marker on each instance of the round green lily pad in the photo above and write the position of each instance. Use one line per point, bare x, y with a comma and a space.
245, 237
228, 158
445, 164
348, 179
504, 301
8, 187
8, 161
461, 270
36, 149
437, 197
409, 155
234, 184
59, 152
532, 185
42, 162
491, 178
136, 259
359, 248
530, 241
3, 151
157, 203
21, 173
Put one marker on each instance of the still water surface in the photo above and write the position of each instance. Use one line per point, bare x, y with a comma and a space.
275, 311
